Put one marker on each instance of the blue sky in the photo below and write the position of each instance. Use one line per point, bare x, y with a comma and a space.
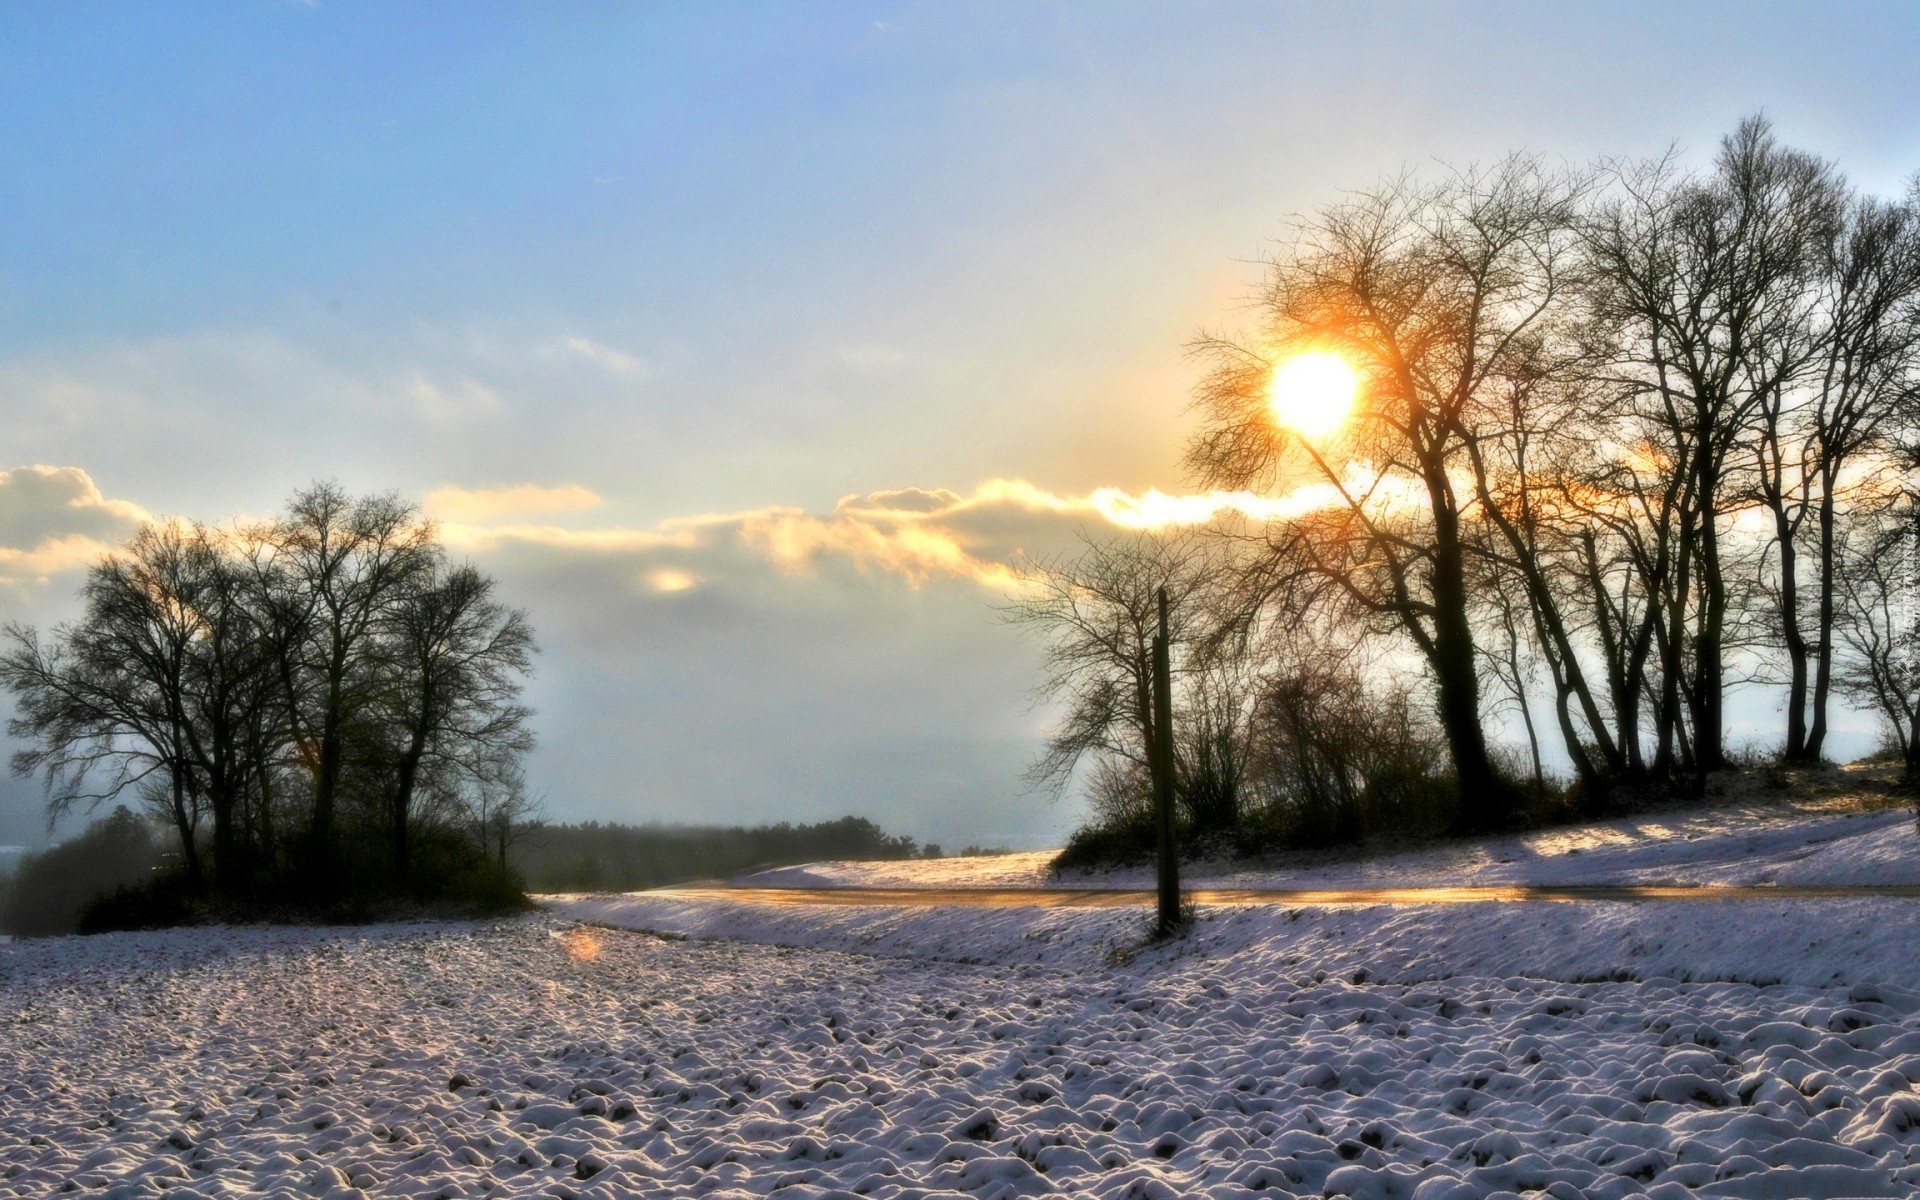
704, 260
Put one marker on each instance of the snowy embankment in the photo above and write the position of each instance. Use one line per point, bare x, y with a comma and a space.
1813, 942
1741, 844
535, 1058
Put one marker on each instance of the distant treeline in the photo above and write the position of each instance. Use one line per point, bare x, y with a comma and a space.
84, 882
596, 857
102, 878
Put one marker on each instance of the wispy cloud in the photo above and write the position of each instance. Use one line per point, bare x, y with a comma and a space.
617, 362
450, 403
486, 504
477, 536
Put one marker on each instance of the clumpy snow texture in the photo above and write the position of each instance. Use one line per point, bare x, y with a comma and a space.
1740, 844
1814, 942
539, 1058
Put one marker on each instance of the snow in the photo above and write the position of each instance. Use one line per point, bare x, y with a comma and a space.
536, 1057
1829, 943
676, 1045
1741, 844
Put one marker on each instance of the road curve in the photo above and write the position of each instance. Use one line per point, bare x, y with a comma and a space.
1127, 897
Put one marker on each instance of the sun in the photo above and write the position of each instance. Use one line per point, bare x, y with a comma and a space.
1312, 393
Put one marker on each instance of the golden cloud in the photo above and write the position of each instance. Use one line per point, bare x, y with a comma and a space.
55, 519
914, 534
669, 579
51, 557
468, 536
485, 504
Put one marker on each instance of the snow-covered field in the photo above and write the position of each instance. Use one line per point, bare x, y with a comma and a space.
535, 1057
1732, 844
741, 1049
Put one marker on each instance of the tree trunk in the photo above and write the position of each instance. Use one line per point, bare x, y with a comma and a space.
1823, 646
226, 855
1794, 641
1161, 764
326, 785
184, 826
1671, 632
1526, 712
1709, 684
1485, 800
1634, 676
408, 774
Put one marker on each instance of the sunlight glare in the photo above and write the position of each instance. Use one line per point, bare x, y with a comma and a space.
581, 945
1312, 393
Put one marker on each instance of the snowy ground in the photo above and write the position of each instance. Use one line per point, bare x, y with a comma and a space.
538, 1058
1748, 843
1672, 1049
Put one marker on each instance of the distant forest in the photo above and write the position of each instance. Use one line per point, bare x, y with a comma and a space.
88, 882
600, 857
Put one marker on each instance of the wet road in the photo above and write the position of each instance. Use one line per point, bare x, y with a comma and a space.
1126, 897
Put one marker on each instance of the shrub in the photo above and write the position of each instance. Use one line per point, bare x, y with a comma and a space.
1097, 845
1325, 759
158, 902
1336, 760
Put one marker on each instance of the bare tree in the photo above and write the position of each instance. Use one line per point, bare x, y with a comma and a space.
1096, 616
1878, 560
1212, 740
103, 707
1341, 746
1704, 283
231, 701
336, 569
266, 677
501, 812
1439, 296
1866, 389
449, 698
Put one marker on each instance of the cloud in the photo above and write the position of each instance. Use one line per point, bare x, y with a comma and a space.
736, 630
913, 534
485, 504
469, 536
771, 664
452, 403
55, 519
909, 500
914, 549
1154, 509
667, 579
50, 557
616, 362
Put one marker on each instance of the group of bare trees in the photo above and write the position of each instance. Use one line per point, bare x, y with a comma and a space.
1625, 438
299, 699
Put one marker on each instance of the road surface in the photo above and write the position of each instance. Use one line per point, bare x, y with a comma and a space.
1126, 897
